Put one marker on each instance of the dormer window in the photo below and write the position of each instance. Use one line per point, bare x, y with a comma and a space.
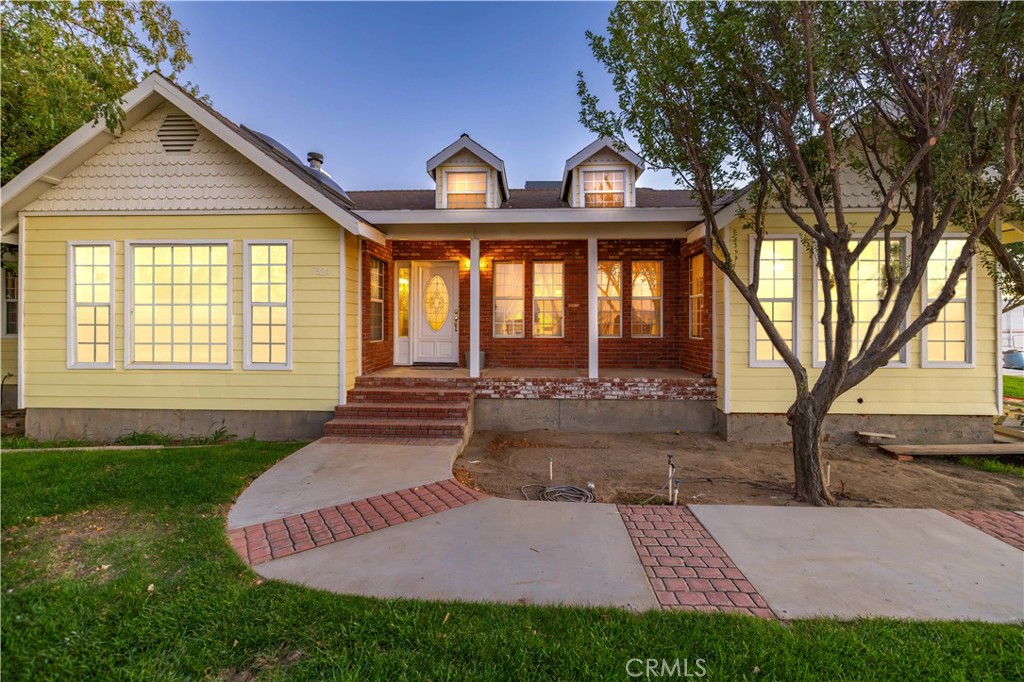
466, 190
604, 188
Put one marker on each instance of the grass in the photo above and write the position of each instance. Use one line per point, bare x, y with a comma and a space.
115, 566
145, 437
996, 465
1013, 387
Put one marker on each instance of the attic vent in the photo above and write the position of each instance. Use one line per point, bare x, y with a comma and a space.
178, 134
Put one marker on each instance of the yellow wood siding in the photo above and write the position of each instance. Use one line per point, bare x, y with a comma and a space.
897, 390
312, 384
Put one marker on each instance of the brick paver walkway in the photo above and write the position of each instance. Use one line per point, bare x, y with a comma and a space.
261, 542
1004, 525
687, 568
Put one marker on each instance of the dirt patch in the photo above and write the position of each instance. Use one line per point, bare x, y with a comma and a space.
630, 467
275, 661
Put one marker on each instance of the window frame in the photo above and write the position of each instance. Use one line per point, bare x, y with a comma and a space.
534, 298
72, 315
495, 298
797, 300
618, 298
604, 169
247, 306
691, 296
383, 298
902, 359
7, 333
486, 172
969, 313
660, 299
129, 305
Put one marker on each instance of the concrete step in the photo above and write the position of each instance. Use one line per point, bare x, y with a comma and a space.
385, 394
396, 428
404, 410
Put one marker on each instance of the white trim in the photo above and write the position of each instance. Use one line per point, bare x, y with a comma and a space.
534, 298
594, 147
382, 300
593, 345
726, 360
624, 169
999, 350
342, 326
129, 303
474, 308
902, 359
969, 312
247, 305
6, 334
532, 216
610, 298
177, 212
359, 308
21, 312
660, 299
691, 296
474, 147
797, 300
72, 317
489, 202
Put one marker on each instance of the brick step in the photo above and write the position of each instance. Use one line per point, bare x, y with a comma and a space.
402, 410
428, 383
405, 428
408, 395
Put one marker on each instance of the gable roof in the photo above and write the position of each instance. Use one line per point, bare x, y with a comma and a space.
593, 148
423, 199
271, 157
465, 142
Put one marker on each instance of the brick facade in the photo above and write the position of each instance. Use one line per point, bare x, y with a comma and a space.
673, 350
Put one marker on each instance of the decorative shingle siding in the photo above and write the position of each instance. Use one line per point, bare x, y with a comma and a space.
134, 173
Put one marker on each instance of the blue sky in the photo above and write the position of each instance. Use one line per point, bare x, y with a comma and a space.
381, 87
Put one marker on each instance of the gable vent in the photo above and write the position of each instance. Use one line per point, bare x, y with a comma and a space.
178, 134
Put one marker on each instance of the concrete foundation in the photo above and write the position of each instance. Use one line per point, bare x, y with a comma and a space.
108, 425
843, 428
594, 416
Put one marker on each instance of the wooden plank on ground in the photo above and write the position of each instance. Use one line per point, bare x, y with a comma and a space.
871, 437
1009, 432
906, 453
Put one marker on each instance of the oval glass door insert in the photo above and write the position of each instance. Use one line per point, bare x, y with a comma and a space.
435, 302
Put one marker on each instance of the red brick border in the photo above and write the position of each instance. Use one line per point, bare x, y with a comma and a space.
1002, 525
261, 542
687, 568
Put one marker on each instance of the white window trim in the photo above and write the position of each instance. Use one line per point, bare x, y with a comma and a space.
691, 296
3, 306
381, 300
495, 298
901, 360
968, 323
659, 299
626, 184
611, 298
534, 298
488, 193
129, 303
247, 306
797, 302
398, 265
72, 321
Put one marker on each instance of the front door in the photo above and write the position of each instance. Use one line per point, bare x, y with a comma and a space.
435, 306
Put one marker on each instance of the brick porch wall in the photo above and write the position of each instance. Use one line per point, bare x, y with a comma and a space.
378, 354
696, 354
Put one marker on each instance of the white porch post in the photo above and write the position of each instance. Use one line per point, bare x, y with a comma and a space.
474, 308
592, 306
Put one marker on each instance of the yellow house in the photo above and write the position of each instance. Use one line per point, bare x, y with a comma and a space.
190, 274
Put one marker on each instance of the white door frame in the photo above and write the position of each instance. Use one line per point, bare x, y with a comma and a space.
416, 315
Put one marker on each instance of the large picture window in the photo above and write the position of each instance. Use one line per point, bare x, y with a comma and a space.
604, 188
466, 190
180, 305
268, 299
697, 296
948, 341
777, 292
509, 314
90, 305
609, 298
377, 279
646, 298
548, 299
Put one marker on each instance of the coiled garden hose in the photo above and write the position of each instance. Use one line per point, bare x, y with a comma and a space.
560, 493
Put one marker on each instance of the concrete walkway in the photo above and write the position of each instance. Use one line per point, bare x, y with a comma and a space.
387, 520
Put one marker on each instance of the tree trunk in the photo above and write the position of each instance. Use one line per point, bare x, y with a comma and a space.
805, 419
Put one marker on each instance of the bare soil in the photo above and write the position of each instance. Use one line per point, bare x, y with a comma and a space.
631, 467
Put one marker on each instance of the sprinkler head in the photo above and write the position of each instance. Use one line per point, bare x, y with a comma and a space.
590, 486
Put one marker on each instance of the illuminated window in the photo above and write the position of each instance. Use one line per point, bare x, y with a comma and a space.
91, 294
609, 298
697, 296
867, 288
10, 302
180, 305
947, 341
268, 294
777, 292
466, 190
604, 189
403, 301
436, 302
646, 301
548, 300
508, 299
377, 270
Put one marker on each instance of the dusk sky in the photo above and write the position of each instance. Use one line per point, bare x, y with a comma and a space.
381, 87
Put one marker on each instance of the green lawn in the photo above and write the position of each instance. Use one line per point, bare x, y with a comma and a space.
115, 566
1013, 387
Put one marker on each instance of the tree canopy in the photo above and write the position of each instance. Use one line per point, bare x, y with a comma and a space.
65, 63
